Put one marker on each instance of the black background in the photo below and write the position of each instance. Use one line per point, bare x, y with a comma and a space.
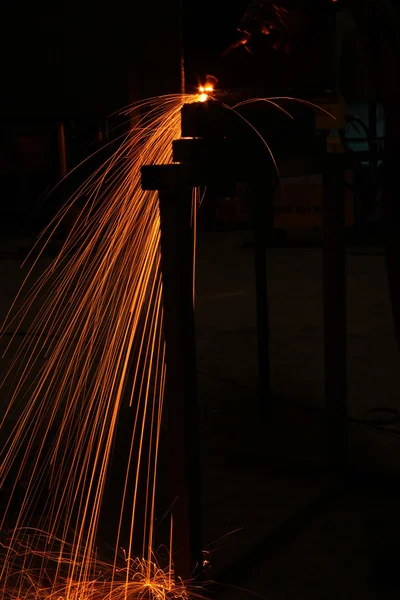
70, 58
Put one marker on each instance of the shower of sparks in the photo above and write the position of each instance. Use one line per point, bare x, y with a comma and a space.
135, 579
94, 341
93, 344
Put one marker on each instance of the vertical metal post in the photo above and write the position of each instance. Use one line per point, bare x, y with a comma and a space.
181, 384
259, 199
390, 203
334, 289
373, 133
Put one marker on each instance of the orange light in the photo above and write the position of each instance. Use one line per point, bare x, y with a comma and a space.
204, 91
208, 88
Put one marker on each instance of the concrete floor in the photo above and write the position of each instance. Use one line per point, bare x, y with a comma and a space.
270, 472
343, 540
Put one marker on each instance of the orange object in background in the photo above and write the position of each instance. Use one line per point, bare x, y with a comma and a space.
298, 203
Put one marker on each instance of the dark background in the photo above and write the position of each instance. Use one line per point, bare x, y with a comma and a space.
68, 59
80, 61
209, 28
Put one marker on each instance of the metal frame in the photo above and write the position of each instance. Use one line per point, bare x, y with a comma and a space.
214, 157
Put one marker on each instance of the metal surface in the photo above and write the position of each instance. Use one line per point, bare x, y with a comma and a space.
260, 194
181, 384
215, 160
224, 150
334, 288
373, 135
218, 158
239, 154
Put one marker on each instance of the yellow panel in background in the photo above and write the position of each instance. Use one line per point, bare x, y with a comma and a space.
325, 122
299, 201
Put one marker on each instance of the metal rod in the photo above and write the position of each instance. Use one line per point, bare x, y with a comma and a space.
373, 134
390, 203
181, 380
260, 222
334, 288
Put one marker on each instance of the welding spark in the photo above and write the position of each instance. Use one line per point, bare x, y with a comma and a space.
204, 92
135, 579
94, 320
94, 343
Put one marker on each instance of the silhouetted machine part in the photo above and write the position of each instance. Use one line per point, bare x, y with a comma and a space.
220, 151
211, 161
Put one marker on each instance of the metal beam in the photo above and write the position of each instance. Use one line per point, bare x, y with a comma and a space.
334, 289
181, 379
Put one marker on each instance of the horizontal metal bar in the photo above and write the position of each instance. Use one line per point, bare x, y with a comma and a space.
205, 151
209, 119
163, 177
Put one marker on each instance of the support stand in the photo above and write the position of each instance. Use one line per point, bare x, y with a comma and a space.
181, 385
213, 157
334, 289
259, 199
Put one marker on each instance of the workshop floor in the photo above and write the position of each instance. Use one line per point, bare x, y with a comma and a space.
348, 544
276, 522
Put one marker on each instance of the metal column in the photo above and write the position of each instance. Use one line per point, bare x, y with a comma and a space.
259, 198
334, 288
181, 384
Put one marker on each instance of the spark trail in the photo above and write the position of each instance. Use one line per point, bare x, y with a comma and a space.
94, 341
93, 344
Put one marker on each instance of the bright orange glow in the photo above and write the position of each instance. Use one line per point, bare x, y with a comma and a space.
204, 91
206, 88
